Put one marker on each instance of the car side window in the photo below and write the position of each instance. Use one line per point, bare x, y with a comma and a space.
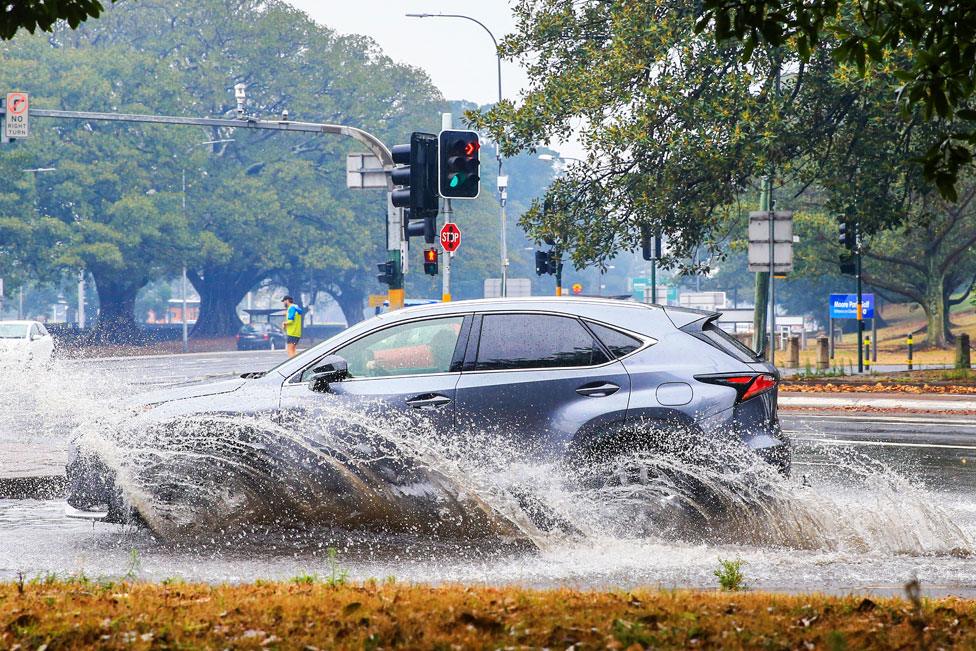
523, 341
42, 330
616, 342
34, 332
415, 348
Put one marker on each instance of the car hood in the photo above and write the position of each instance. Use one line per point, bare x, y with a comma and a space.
192, 391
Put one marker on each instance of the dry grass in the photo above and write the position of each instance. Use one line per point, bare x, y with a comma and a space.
302, 615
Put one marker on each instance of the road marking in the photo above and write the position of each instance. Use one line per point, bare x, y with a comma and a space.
919, 420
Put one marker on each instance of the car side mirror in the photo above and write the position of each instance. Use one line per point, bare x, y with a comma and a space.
331, 368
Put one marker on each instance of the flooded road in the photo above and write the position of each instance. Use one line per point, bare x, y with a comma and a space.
874, 500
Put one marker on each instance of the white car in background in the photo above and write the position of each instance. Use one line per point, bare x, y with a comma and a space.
25, 342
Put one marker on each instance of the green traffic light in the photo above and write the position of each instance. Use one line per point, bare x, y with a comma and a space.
455, 180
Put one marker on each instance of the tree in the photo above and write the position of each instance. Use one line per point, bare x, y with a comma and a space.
102, 209
936, 75
44, 14
675, 125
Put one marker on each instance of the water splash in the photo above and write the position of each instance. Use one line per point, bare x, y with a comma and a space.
368, 471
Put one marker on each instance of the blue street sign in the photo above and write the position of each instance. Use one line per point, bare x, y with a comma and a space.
844, 306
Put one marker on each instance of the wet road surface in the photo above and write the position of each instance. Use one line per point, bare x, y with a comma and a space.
894, 491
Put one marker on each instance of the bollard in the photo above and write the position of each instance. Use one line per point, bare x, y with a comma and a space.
910, 349
823, 353
867, 353
794, 350
962, 351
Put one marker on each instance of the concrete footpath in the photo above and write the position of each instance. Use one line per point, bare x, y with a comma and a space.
872, 401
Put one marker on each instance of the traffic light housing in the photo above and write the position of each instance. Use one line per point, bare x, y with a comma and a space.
430, 262
848, 265
546, 262
389, 273
459, 161
847, 235
425, 226
650, 245
416, 174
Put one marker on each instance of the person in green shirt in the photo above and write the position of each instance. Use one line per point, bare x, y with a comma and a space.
292, 325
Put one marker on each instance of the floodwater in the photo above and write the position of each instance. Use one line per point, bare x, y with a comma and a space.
382, 497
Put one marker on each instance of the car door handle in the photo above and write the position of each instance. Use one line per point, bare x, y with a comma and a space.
598, 389
428, 401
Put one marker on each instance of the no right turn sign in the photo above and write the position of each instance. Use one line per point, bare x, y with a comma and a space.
16, 119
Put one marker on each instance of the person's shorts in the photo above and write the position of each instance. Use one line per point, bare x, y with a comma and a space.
293, 340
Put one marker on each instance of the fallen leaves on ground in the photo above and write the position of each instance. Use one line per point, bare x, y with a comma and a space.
373, 615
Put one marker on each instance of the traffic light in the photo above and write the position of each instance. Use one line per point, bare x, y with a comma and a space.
415, 227
546, 262
459, 162
430, 262
848, 265
847, 235
388, 273
650, 245
416, 175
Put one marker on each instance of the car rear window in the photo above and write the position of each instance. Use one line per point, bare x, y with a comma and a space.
727, 343
616, 342
524, 341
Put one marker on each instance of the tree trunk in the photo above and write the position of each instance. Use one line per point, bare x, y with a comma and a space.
937, 333
351, 300
116, 322
220, 293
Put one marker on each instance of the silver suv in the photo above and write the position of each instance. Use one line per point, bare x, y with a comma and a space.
566, 378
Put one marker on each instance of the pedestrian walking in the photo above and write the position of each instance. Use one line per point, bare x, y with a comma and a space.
292, 325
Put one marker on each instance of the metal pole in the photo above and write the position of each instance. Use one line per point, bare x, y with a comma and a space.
447, 122
860, 315
498, 151
874, 335
20, 304
830, 335
81, 300
654, 281
186, 341
559, 273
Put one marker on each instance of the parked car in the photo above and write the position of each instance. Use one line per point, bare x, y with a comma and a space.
25, 342
260, 336
564, 377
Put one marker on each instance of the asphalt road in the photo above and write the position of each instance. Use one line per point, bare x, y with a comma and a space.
154, 371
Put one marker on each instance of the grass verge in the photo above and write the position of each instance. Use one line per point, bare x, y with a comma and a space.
81, 614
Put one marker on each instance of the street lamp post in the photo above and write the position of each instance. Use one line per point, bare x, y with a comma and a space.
502, 190
186, 335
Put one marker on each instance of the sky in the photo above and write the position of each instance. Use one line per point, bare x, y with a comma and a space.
435, 44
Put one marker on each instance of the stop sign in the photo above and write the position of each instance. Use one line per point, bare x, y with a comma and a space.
450, 237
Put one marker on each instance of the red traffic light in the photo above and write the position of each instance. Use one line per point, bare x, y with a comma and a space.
471, 147
430, 255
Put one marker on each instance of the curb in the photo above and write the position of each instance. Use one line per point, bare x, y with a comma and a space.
877, 403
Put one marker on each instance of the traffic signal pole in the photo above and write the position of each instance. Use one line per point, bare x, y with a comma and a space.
395, 242
447, 122
860, 311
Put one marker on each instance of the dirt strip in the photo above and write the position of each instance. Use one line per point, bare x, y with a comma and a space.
314, 615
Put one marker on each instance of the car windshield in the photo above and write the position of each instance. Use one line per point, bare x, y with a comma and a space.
13, 330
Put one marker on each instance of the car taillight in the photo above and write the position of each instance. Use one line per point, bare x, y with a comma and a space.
238, 337
267, 336
747, 385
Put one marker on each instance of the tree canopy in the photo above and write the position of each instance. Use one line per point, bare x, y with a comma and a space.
939, 39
